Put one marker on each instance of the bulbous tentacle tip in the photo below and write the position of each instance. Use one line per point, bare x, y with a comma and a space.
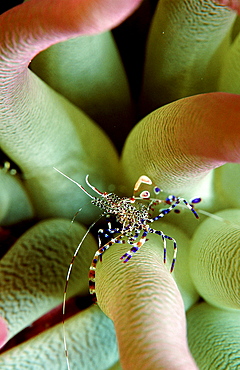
169, 145
123, 292
231, 4
3, 332
214, 259
214, 336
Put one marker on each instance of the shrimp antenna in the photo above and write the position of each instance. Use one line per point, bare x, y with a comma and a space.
75, 182
66, 285
93, 187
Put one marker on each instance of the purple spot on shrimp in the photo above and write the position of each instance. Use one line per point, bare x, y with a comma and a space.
134, 249
164, 255
165, 211
125, 255
157, 190
173, 264
128, 258
196, 200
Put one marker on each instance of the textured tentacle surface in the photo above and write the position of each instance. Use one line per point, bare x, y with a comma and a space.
34, 116
104, 93
177, 146
169, 145
229, 78
85, 331
33, 272
231, 4
14, 200
180, 58
214, 260
145, 305
214, 337
227, 179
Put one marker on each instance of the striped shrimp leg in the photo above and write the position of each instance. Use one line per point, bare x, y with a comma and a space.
136, 246
97, 256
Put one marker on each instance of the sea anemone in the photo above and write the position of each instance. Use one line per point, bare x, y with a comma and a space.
162, 89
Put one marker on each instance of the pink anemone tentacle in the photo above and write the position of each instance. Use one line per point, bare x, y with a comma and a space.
39, 128
231, 4
178, 144
56, 22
